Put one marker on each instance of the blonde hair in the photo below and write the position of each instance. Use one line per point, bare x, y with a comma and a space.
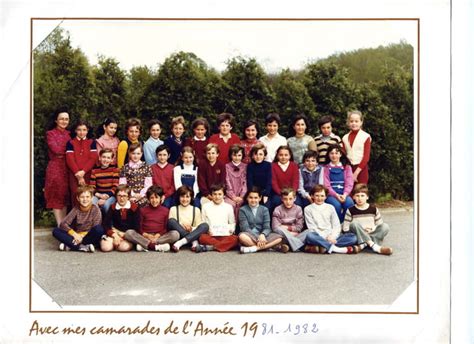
354, 112
212, 145
177, 120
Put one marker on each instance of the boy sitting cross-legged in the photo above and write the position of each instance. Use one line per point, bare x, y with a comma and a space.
221, 220
365, 221
324, 234
288, 221
81, 229
122, 216
153, 225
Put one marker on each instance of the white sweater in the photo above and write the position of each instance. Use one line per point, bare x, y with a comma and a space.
218, 215
322, 219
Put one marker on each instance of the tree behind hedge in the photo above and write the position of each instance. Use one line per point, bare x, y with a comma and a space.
245, 91
292, 98
62, 78
184, 85
109, 91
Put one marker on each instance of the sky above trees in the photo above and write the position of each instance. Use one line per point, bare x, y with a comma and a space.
276, 45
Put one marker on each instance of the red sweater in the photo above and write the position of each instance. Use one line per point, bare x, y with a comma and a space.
224, 146
81, 155
164, 178
209, 175
153, 220
199, 148
289, 178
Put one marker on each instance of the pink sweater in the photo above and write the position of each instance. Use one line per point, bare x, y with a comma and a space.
236, 180
348, 179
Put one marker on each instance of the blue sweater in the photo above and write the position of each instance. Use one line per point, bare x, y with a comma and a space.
175, 148
260, 175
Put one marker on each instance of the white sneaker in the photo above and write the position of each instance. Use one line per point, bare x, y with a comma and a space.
162, 247
87, 248
63, 247
140, 248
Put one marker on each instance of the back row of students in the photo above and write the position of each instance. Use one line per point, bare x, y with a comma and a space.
75, 162
356, 144
155, 228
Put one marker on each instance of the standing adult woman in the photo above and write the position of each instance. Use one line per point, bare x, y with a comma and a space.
298, 140
56, 187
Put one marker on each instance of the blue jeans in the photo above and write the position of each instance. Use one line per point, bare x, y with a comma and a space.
173, 225
169, 202
108, 203
341, 208
347, 239
92, 237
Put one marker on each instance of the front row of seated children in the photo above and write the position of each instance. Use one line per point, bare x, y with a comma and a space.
155, 228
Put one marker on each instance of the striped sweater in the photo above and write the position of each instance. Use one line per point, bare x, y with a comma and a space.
369, 217
81, 221
322, 145
105, 180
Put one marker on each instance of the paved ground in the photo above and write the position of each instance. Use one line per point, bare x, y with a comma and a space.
265, 278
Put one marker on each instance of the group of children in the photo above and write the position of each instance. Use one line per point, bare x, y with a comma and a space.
218, 192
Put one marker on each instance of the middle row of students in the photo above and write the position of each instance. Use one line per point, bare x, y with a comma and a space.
237, 176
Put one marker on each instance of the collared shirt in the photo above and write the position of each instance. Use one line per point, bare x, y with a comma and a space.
135, 164
272, 145
284, 167
126, 206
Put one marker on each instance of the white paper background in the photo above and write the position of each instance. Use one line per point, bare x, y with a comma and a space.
431, 325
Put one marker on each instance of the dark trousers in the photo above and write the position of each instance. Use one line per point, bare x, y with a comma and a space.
174, 225
92, 237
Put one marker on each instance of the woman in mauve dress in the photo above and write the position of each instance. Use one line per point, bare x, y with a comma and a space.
56, 188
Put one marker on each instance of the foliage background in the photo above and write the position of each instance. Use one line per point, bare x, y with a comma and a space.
378, 82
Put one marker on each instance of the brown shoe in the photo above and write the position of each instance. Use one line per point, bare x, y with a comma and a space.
283, 248
311, 249
353, 249
387, 251
322, 250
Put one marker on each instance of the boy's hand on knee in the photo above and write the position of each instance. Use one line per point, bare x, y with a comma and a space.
116, 240
331, 239
77, 238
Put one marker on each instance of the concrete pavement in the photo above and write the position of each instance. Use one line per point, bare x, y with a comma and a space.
212, 278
